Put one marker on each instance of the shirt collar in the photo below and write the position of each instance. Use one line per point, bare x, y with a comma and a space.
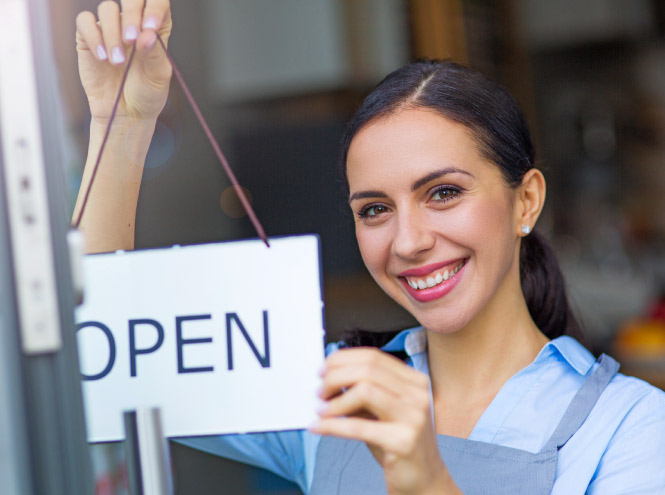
574, 353
413, 341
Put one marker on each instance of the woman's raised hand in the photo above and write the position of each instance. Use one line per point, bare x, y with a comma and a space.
373, 397
103, 43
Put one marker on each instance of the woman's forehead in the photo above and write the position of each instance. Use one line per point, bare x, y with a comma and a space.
410, 144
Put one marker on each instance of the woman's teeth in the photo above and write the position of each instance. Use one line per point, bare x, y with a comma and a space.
430, 282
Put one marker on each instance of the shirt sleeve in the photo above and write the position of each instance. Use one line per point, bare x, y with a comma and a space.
289, 454
634, 461
280, 452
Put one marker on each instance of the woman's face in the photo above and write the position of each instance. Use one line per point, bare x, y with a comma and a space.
435, 221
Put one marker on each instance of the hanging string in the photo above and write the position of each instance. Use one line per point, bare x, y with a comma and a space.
206, 129
215, 146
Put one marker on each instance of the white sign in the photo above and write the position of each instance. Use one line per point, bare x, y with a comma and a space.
224, 338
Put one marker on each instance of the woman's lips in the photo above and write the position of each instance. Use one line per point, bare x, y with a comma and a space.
432, 281
423, 271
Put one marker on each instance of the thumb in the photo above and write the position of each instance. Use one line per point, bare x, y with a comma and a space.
153, 56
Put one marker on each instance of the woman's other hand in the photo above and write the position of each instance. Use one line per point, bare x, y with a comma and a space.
103, 43
373, 397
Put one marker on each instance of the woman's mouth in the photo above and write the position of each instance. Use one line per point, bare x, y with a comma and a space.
437, 283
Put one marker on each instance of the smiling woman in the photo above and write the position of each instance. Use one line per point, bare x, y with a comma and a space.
494, 396
418, 234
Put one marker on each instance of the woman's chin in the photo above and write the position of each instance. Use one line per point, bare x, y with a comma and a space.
435, 325
445, 316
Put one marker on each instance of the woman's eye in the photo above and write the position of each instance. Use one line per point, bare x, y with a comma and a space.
445, 193
372, 211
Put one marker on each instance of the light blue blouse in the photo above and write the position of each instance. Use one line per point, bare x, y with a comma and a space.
620, 449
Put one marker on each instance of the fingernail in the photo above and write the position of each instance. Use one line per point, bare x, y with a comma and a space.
322, 408
131, 33
117, 57
319, 392
150, 23
101, 53
322, 370
313, 426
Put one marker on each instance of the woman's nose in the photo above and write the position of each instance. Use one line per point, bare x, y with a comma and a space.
413, 235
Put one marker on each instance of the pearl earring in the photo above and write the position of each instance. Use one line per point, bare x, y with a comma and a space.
526, 229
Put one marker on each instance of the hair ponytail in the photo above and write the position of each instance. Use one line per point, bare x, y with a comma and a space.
544, 289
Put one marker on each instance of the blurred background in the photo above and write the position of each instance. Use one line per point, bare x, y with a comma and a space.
277, 79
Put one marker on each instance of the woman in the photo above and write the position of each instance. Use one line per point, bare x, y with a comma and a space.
494, 397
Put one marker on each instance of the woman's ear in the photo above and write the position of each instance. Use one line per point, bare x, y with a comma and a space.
530, 198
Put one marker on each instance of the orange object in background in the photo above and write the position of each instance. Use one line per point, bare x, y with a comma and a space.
640, 346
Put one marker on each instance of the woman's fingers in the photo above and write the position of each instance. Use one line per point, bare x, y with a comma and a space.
89, 37
132, 15
365, 397
337, 379
109, 21
107, 38
155, 13
370, 356
350, 366
156, 19
389, 437
361, 381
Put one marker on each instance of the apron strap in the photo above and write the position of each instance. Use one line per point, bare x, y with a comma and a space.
583, 402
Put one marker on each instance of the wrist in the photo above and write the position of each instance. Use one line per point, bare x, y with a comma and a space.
123, 125
128, 141
441, 484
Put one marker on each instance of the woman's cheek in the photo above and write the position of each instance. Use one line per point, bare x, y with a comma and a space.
492, 235
372, 244
375, 247
485, 220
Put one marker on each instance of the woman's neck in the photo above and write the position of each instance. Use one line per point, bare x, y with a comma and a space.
468, 367
475, 357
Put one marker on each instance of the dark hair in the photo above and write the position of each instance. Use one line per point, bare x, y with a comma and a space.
502, 135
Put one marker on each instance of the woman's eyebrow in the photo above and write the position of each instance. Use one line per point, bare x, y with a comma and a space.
367, 194
436, 174
416, 185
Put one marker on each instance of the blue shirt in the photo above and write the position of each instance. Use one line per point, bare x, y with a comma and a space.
620, 449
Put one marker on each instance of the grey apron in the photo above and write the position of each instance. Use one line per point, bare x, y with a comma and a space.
347, 467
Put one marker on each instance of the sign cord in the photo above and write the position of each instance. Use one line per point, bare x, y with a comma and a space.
215, 146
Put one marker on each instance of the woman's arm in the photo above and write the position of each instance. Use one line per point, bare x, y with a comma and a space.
108, 222
103, 43
280, 452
